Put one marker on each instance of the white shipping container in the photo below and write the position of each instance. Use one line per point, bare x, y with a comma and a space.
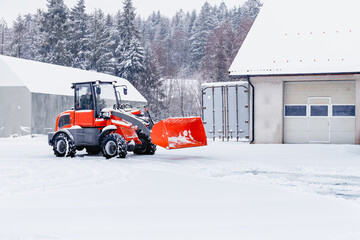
225, 110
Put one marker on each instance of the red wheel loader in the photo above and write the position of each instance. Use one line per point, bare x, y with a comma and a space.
99, 122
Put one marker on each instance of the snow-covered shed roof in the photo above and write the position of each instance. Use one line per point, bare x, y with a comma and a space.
302, 37
47, 78
221, 84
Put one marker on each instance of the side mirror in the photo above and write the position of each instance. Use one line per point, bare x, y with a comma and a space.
98, 90
125, 90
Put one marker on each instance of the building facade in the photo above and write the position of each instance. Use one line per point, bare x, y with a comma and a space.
303, 67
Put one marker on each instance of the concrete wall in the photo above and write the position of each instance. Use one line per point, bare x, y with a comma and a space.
15, 111
269, 102
22, 112
45, 109
268, 110
357, 109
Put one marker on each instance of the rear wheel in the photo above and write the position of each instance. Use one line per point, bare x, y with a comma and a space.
146, 147
63, 146
122, 146
113, 145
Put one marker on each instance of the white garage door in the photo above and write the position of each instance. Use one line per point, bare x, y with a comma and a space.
319, 112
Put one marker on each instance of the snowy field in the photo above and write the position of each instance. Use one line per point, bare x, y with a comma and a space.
222, 191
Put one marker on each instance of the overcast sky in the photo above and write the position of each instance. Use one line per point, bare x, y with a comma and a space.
9, 9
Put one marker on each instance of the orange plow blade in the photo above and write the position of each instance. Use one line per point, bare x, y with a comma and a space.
173, 133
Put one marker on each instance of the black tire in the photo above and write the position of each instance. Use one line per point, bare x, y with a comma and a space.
122, 146
63, 146
93, 150
146, 147
113, 145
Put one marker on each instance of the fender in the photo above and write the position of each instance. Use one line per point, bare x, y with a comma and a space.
65, 131
106, 130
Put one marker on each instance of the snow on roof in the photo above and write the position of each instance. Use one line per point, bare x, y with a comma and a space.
220, 84
47, 78
302, 37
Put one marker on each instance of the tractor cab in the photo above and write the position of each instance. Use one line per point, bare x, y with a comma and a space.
96, 96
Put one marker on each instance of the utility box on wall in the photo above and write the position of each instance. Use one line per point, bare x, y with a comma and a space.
225, 110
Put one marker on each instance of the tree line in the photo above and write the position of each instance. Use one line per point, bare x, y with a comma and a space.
166, 59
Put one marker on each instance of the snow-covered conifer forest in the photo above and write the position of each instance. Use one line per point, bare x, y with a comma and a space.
165, 58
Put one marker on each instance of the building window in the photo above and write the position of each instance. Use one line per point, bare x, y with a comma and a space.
319, 111
343, 110
295, 110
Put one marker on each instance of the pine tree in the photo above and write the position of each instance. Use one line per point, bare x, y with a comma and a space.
55, 28
100, 57
3, 30
114, 38
79, 35
203, 25
179, 45
244, 18
114, 26
219, 53
190, 22
131, 66
128, 30
222, 14
151, 86
252, 8
150, 26
33, 36
164, 47
129, 53
17, 44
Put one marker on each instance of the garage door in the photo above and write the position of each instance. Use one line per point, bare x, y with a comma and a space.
319, 112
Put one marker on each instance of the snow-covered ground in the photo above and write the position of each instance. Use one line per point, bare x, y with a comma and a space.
222, 191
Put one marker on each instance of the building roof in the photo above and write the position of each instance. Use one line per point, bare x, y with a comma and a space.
302, 37
221, 84
47, 78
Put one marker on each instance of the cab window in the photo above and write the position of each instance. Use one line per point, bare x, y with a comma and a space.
84, 97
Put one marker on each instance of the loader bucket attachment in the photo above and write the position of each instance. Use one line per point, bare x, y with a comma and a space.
173, 133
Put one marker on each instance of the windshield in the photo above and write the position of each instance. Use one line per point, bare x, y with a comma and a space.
105, 96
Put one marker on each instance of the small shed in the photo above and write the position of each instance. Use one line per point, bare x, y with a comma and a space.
302, 61
32, 94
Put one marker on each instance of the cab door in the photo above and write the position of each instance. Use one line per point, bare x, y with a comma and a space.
84, 105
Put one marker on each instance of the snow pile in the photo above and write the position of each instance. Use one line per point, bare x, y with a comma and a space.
184, 139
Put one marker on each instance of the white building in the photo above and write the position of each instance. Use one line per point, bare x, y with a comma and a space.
32, 94
302, 59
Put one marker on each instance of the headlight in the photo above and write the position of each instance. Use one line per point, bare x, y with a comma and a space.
105, 114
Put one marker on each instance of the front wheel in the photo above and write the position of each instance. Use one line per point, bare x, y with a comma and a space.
113, 145
63, 146
146, 147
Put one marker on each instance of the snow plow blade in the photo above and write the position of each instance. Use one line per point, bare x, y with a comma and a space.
173, 133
